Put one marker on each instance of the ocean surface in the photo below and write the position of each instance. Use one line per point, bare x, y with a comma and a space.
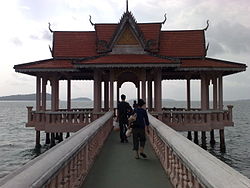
17, 141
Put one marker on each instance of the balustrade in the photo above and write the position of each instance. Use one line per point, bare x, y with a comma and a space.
66, 164
188, 165
60, 121
197, 120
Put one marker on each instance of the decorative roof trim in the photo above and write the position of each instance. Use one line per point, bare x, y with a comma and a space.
47, 70
128, 65
127, 18
211, 69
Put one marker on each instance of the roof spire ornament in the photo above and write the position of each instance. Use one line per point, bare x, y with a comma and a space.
165, 18
126, 5
207, 25
90, 20
50, 28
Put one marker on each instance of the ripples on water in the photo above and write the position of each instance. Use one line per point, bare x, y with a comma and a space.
17, 141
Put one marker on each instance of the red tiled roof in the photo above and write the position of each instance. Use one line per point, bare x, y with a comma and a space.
105, 31
74, 44
182, 43
209, 63
47, 64
126, 59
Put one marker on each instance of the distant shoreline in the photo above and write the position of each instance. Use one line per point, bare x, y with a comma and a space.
32, 97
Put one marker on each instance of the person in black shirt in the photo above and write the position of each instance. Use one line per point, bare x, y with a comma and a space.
124, 110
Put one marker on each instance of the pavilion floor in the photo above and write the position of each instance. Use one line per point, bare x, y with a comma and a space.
116, 166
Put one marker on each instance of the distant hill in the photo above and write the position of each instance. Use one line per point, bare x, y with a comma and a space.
81, 99
28, 97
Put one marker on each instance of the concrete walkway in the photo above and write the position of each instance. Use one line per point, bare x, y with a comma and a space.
116, 167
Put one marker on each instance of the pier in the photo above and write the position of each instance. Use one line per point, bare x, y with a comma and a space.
145, 55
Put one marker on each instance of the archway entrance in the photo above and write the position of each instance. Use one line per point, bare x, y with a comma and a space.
128, 83
129, 89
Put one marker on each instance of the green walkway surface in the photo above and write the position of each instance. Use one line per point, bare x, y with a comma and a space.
116, 167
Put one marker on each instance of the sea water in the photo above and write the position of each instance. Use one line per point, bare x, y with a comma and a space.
17, 141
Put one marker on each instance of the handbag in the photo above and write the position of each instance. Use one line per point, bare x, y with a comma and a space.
116, 126
129, 132
132, 118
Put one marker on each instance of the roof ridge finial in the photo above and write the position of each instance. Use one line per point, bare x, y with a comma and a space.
126, 5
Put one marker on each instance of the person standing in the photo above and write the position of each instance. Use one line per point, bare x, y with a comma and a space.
139, 125
124, 110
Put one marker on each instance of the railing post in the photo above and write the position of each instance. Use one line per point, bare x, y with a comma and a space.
230, 112
29, 113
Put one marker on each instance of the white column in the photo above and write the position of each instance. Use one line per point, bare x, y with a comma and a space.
38, 93
215, 92
106, 95
57, 94
158, 91
97, 91
68, 94
44, 84
203, 93
143, 88
220, 92
139, 90
150, 97
188, 94
111, 100
53, 94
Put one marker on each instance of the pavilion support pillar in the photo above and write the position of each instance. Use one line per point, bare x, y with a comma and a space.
44, 84
44, 100
143, 88
53, 106
222, 136
150, 97
196, 139
220, 87
38, 93
97, 93
143, 85
68, 95
204, 103
68, 101
158, 93
204, 93
106, 95
111, 92
118, 94
203, 140
139, 91
215, 107
38, 108
189, 136
222, 141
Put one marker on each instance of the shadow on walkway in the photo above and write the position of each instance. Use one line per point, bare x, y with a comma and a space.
116, 167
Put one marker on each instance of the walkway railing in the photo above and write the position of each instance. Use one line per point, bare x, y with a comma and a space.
60, 121
188, 165
197, 120
67, 164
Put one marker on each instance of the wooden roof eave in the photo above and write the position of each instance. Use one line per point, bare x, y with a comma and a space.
46, 70
231, 69
129, 65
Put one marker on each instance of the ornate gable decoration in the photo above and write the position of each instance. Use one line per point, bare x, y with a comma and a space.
127, 33
127, 38
127, 21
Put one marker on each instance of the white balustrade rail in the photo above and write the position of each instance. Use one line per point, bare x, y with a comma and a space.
59, 121
187, 164
197, 120
65, 165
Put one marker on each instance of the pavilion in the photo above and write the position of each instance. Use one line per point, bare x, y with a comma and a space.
141, 53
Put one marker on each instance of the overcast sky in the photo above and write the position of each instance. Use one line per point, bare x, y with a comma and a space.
25, 36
